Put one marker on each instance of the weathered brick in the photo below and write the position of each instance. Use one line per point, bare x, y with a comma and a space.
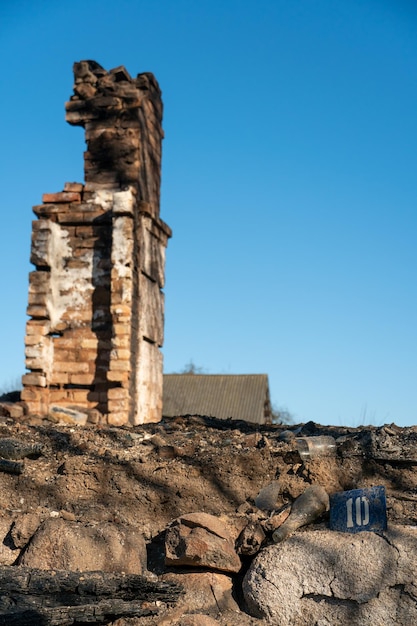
36, 363
38, 327
77, 187
80, 396
117, 419
89, 343
121, 341
39, 281
120, 354
65, 355
118, 393
36, 351
46, 210
57, 396
36, 310
118, 405
59, 378
71, 368
82, 379
119, 365
61, 343
33, 340
123, 297
75, 315
35, 379
37, 298
31, 393
118, 376
62, 196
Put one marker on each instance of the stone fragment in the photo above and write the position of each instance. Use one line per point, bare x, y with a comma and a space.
8, 551
205, 591
324, 577
200, 540
252, 440
75, 546
250, 539
209, 522
286, 435
94, 416
268, 496
67, 515
11, 409
68, 415
24, 528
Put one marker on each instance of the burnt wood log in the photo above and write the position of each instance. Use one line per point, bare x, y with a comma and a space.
101, 612
11, 467
33, 597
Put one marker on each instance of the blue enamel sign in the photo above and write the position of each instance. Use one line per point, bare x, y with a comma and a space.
359, 509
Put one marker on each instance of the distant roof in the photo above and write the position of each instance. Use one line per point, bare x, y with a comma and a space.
236, 396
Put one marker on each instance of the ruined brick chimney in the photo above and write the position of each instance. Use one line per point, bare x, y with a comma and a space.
96, 305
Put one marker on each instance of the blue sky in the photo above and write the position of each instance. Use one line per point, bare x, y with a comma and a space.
289, 180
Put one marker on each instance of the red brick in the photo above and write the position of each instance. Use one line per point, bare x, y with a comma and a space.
118, 393
38, 380
118, 405
59, 378
120, 365
72, 368
38, 327
117, 419
34, 310
77, 187
62, 196
118, 376
82, 379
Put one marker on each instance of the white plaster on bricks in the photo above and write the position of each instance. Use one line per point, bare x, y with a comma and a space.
121, 248
69, 287
41, 355
103, 197
124, 201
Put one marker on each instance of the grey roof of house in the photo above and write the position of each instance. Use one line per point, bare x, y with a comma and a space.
236, 396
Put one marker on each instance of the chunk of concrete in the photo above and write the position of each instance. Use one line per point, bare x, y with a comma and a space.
62, 544
200, 540
326, 578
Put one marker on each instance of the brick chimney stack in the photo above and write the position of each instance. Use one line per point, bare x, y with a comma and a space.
95, 298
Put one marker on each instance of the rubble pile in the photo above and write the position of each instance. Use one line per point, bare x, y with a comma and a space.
228, 513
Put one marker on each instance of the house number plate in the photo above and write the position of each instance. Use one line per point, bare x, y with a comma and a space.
359, 509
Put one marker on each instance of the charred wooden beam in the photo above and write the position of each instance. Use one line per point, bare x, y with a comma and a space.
30, 597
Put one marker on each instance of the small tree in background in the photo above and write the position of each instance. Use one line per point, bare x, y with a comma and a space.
281, 415
192, 368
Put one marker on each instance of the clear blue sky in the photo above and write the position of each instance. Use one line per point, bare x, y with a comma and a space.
289, 180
